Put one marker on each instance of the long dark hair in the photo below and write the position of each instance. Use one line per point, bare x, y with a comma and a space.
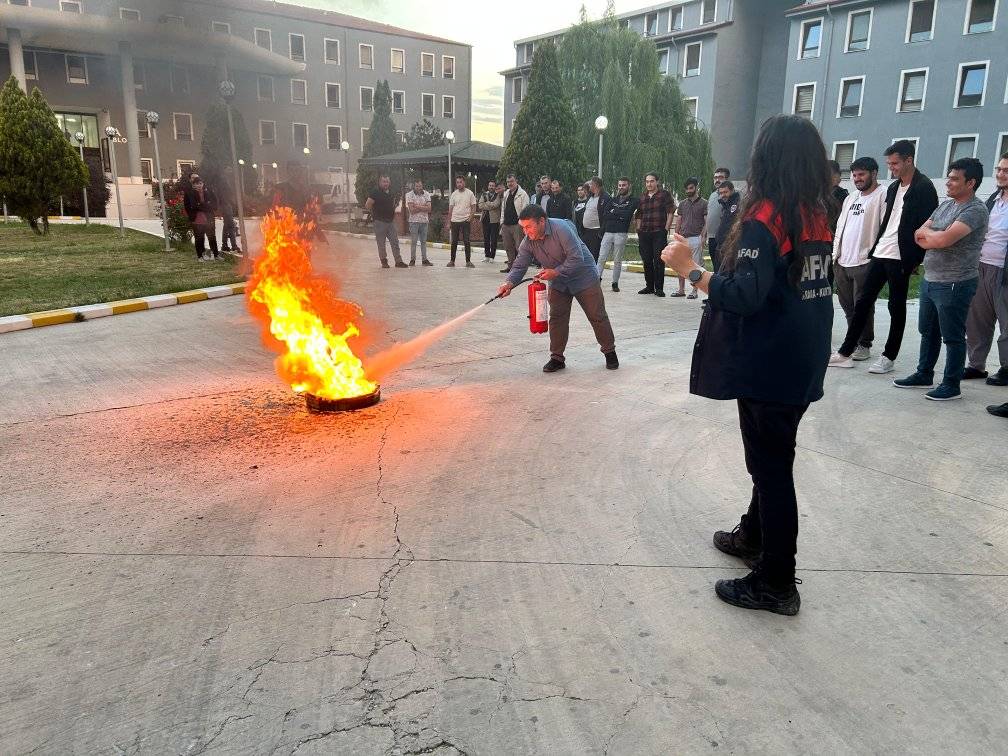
788, 169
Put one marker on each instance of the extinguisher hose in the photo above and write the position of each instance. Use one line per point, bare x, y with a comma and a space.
523, 281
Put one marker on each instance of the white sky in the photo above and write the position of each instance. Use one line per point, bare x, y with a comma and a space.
490, 26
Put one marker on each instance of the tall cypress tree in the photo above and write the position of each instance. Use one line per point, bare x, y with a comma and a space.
215, 150
381, 141
545, 135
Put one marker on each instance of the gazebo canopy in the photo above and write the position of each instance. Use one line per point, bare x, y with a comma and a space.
476, 156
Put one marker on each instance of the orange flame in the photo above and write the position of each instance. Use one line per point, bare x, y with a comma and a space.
301, 315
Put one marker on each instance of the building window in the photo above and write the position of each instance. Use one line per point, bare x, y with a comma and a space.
129, 14
517, 90
960, 146
401, 139
398, 101
365, 56
811, 39
663, 59
299, 92
267, 132
332, 51
139, 77
147, 170
397, 64
300, 135
859, 25
920, 21
70, 6
913, 89
708, 13
296, 44
691, 60
650, 24
170, 19
365, 138
182, 124
851, 94
264, 88
264, 39
980, 16
693, 106
185, 167
447, 66
1002, 147
30, 65
843, 153
447, 106
427, 65
334, 137
179, 76
71, 123
143, 128
427, 105
367, 99
221, 27
332, 95
529, 51
675, 19
76, 69
972, 85
804, 99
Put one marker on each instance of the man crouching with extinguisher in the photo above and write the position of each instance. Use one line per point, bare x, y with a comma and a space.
572, 274
764, 341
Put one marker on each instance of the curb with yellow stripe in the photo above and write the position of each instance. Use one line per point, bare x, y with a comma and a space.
105, 309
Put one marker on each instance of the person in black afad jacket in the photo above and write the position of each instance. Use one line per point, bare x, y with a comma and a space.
200, 204
731, 202
559, 204
764, 340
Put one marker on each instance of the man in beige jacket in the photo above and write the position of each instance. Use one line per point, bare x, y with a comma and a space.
513, 202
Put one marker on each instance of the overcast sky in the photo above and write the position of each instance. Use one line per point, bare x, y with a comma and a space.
490, 26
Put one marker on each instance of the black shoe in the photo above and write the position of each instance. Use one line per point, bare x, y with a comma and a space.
971, 372
553, 365
611, 362
646, 291
659, 293
615, 287
999, 410
385, 264
1000, 378
401, 264
412, 263
753, 592
734, 544
428, 263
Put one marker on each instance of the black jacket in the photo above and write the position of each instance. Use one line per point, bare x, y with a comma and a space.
759, 337
618, 212
191, 202
559, 206
990, 208
838, 196
919, 202
579, 208
729, 212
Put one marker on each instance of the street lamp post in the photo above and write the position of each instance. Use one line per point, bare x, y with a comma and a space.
601, 123
345, 146
79, 136
111, 132
450, 138
276, 174
152, 120
227, 93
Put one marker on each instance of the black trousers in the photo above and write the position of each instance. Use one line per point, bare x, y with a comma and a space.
202, 234
651, 244
715, 257
490, 233
592, 237
466, 232
881, 271
769, 431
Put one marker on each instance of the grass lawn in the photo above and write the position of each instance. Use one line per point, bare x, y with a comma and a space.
78, 265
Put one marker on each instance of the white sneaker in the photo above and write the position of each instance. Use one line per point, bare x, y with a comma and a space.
839, 361
881, 366
861, 354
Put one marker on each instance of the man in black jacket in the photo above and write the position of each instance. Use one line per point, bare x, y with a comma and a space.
559, 204
730, 201
200, 204
617, 214
910, 200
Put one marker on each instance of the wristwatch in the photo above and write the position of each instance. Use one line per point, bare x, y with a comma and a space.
695, 275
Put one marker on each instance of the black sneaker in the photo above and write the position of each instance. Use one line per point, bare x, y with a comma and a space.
971, 373
401, 264
1000, 378
615, 287
999, 410
734, 544
753, 592
553, 365
611, 362
385, 264
428, 263
646, 291
914, 380
659, 293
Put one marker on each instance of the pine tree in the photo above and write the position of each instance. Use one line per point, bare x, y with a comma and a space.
382, 140
545, 134
215, 151
17, 164
424, 134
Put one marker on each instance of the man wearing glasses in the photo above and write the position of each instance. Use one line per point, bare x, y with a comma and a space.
714, 214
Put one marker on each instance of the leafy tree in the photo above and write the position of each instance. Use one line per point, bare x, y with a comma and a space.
37, 162
382, 140
215, 151
545, 135
424, 134
98, 192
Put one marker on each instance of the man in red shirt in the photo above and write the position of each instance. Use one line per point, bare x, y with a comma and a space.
654, 219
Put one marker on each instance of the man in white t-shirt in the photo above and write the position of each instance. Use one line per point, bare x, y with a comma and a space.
461, 210
857, 228
418, 207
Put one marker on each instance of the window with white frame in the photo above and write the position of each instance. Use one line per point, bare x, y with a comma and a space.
980, 16
960, 146
332, 51
920, 21
129, 14
447, 106
143, 128
25, 3
650, 24
427, 105
179, 77
401, 139
913, 90
972, 87
139, 76
517, 89
843, 153
182, 127
447, 66
397, 61
1002, 146
427, 65
267, 132
810, 39
334, 137
708, 13
70, 6
675, 19
365, 56
663, 60
30, 65
693, 106
804, 99
332, 95
851, 95
76, 69
297, 46
185, 167
170, 18
221, 27
264, 88
859, 25
264, 39
367, 99
147, 170
398, 101
691, 59
299, 132
365, 138
529, 51
299, 92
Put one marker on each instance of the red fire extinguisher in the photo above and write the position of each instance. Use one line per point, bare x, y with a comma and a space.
538, 307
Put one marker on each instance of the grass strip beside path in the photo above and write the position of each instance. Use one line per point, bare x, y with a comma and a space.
78, 265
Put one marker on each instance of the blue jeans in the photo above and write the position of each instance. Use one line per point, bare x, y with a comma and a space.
384, 230
943, 311
418, 232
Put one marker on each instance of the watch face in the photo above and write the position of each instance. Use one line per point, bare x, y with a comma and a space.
695, 275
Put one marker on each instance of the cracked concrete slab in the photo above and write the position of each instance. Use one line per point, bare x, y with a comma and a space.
489, 561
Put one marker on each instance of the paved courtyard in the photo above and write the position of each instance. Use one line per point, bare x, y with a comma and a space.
490, 561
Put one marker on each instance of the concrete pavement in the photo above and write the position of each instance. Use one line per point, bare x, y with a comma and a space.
492, 560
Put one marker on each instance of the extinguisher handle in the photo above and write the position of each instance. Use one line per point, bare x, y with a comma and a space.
524, 280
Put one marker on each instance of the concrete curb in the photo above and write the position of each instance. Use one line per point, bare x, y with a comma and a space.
11, 323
